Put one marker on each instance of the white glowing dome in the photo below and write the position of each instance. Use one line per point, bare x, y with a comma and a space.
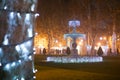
74, 23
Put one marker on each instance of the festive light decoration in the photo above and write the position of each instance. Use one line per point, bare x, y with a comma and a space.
16, 48
75, 59
22, 78
0, 64
34, 77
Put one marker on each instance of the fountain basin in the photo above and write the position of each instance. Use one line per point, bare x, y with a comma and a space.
83, 59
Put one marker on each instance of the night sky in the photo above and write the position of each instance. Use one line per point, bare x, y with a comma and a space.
94, 15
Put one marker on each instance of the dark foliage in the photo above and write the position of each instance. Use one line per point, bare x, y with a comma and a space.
118, 51
44, 51
100, 51
68, 51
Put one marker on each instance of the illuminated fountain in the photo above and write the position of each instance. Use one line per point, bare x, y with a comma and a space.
74, 57
74, 36
17, 21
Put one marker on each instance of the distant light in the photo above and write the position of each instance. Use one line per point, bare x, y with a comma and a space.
81, 40
101, 38
41, 46
60, 45
34, 71
34, 52
104, 38
34, 49
56, 41
99, 44
36, 33
96, 48
80, 43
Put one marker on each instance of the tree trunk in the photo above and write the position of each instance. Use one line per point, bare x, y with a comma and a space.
17, 21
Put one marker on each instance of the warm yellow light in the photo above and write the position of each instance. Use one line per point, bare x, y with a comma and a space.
96, 48
104, 38
81, 40
36, 33
41, 46
60, 45
99, 44
80, 43
101, 38
56, 41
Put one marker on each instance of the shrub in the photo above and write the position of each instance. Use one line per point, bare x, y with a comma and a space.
118, 51
68, 51
44, 51
100, 51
